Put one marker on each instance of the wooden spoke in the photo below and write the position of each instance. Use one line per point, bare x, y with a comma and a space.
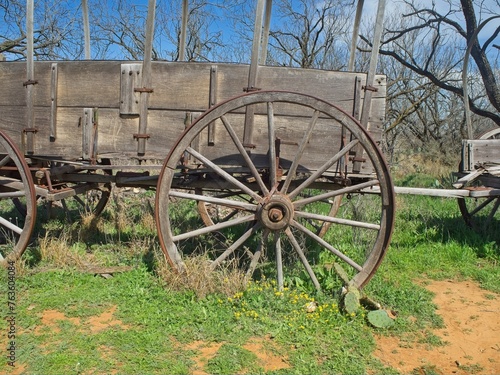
326, 245
335, 220
279, 260
10, 226
214, 211
257, 255
258, 216
296, 161
5, 160
223, 173
313, 177
239, 205
273, 169
234, 246
243, 153
303, 258
213, 228
347, 190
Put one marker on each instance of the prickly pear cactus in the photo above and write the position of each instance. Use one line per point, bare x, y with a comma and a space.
379, 319
341, 273
351, 301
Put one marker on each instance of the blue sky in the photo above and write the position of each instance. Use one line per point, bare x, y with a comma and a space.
393, 7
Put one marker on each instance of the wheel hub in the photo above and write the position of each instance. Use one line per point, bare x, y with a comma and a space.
276, 213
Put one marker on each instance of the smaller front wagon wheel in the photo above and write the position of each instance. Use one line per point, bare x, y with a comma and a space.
16, 190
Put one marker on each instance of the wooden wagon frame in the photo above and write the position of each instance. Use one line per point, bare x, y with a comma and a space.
277, 162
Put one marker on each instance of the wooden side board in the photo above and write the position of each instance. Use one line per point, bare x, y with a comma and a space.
65, 92
480, 152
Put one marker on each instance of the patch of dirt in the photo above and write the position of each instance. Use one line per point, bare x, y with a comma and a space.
205, 351
471, 334
104, 321
50, 319
263, 348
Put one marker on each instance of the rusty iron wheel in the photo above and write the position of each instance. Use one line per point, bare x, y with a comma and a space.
16, 189
267, 194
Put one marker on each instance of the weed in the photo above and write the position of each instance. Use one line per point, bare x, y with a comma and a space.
426, 370
231, 359
472, 369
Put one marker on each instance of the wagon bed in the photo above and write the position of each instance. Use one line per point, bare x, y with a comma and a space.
90, 109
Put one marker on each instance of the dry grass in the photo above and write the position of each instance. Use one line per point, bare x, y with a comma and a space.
200, 278
57, 251
148, 222
421, 164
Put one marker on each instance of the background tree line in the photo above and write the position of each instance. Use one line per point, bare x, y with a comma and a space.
422, 51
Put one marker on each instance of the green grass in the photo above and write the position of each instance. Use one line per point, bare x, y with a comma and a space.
148, 326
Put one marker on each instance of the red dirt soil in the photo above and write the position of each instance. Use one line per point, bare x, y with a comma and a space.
471, 335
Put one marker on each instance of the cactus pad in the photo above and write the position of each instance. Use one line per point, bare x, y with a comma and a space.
379, 319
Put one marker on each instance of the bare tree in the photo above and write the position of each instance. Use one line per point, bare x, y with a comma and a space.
204, 41
117, 30
310, 34
437, 35
57, 30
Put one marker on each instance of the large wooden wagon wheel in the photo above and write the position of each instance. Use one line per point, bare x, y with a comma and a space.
273, 192
16, 189
478, 213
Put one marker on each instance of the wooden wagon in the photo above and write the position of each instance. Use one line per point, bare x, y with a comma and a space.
250, 163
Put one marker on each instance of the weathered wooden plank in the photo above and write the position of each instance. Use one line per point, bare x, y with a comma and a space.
89, 84
178, 88
183, 86
130, 79
323, 144
485, 151
68, 142
115, 133
176, 85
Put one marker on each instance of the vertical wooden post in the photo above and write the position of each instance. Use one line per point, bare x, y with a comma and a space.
30, 80
256, 45
252, 74
146, 80
355, 35
86, 28
370, 80
265, 33
182, 41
